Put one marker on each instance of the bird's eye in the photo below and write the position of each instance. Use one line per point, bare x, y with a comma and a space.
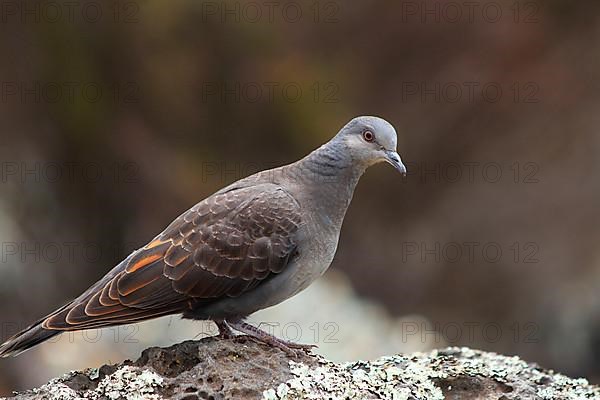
368, 136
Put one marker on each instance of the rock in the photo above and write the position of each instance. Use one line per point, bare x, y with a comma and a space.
241, 368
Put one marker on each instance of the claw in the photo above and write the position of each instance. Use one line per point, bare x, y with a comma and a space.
290, 348
225, 331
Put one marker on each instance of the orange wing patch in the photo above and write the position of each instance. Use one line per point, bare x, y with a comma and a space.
153, 251
153, 244
142, 262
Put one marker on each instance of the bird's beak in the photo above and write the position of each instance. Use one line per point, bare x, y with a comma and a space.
394, 158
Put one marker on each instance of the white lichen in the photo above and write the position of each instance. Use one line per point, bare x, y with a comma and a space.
125, 383
130, 383
60, 391
56, 389
414, 377
92, 373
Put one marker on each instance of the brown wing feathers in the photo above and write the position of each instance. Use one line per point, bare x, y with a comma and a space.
223, 246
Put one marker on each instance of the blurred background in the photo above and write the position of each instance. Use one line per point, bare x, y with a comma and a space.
118, 116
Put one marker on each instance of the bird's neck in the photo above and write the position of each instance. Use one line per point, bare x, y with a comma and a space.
332, 176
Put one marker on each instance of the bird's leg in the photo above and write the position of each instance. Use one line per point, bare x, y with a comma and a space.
225, 331
267, 338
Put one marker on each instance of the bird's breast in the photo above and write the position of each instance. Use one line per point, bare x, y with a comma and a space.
319, 246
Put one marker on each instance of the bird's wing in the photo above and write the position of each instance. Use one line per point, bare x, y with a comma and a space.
223, 246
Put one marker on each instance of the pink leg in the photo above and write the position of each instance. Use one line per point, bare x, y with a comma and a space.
225, 331
267, 338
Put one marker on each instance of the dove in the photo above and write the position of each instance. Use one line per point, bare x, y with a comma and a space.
249, 246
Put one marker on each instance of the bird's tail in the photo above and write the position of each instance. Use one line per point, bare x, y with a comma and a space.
26, 339
36, 333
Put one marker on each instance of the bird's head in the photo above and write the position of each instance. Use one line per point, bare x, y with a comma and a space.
370, 140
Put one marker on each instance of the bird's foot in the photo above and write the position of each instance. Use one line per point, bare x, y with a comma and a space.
261, 336
225, 331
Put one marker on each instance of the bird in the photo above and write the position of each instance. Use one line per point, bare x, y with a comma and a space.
249, 246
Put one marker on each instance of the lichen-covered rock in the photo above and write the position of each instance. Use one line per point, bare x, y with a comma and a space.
215, 369
453, 373
125, 382
243, 369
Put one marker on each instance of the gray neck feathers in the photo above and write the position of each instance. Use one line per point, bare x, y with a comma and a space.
329, 160
330, 176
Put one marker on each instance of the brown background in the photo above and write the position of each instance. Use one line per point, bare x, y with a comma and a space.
164, 110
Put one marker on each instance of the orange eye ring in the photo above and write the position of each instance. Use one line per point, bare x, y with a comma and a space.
368, 136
